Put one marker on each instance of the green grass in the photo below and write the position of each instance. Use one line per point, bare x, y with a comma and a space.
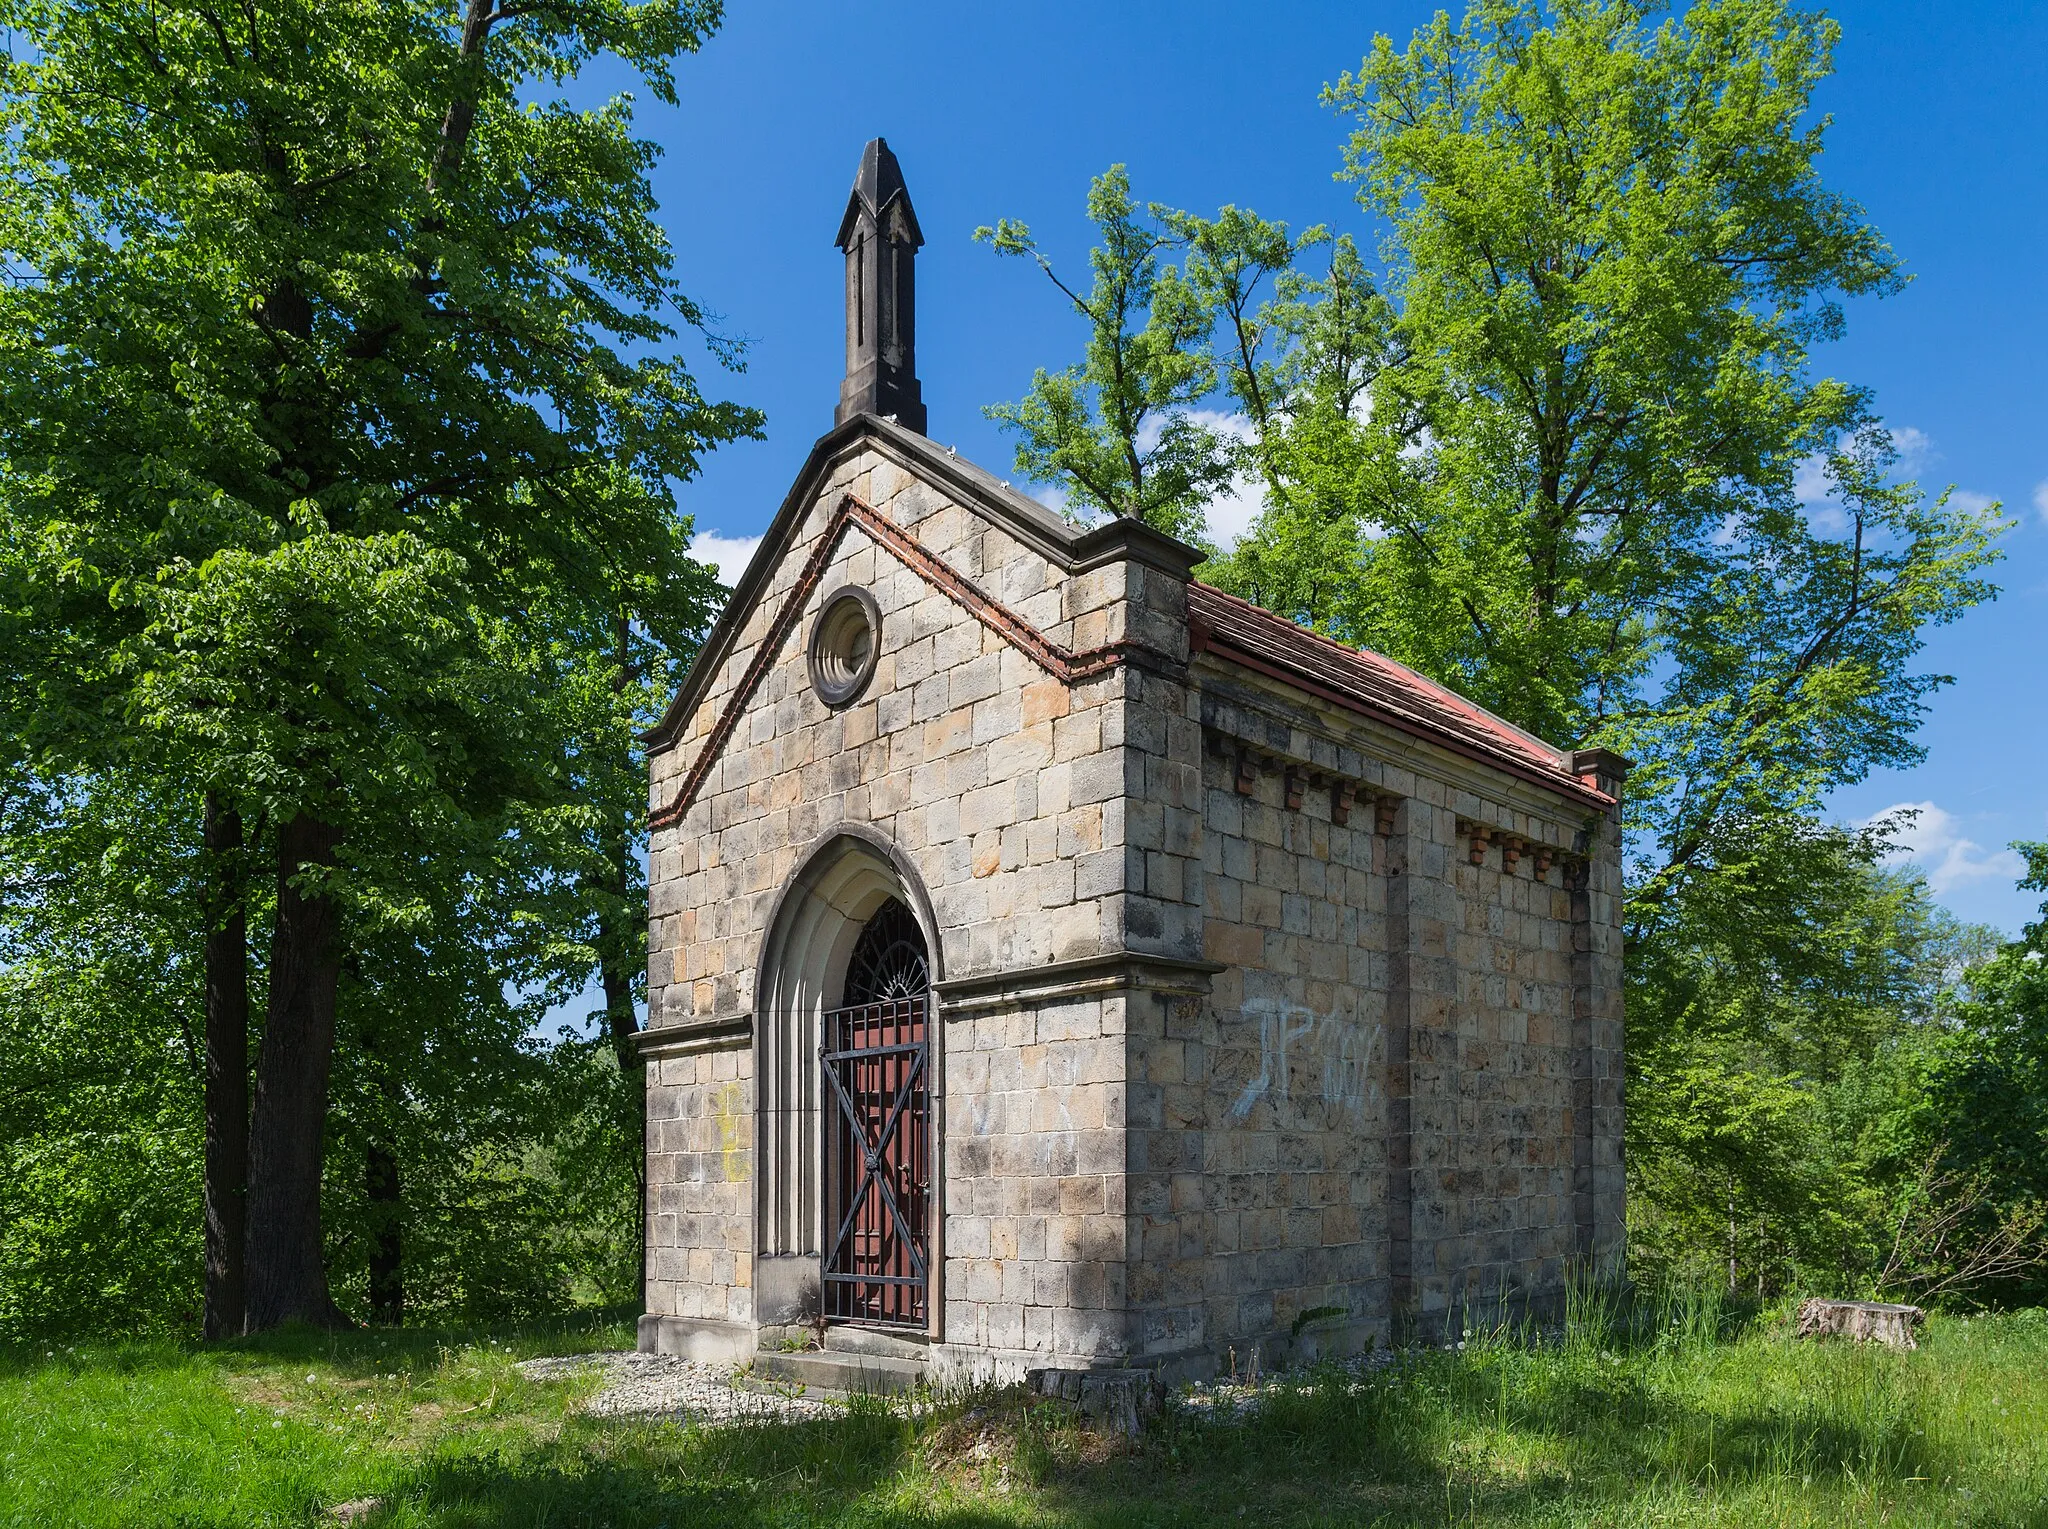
1676, 1422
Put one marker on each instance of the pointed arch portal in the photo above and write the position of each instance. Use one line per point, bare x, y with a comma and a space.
845, 1062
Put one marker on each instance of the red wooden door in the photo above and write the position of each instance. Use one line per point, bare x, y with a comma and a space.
877, 1077
878, 1146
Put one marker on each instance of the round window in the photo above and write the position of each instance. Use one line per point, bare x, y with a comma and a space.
844, 645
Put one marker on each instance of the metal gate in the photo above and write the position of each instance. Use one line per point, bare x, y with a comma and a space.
878, 1151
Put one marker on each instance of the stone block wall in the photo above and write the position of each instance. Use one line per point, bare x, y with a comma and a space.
1034, 1246
1491, 1061
700, 1211
975, 761
1258, 1116
1215, 1048
1377, 1114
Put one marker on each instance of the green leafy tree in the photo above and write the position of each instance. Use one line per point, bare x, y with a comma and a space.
1559, 450
1553, 454
1776, 1065
1983, 1118
1575, 493
1116, 430
326, 334
100, 1064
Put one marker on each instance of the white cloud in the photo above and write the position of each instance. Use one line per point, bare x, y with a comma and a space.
1052, 495
2041, 499
1228, 517
1915, 447
1934, 841
1917, 452
727, 555
1810, 481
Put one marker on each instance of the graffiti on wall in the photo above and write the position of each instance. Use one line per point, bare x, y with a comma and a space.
1303, 1051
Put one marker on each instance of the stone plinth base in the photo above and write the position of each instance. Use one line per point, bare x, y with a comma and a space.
697, 1338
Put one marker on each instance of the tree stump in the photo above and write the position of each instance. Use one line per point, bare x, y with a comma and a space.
1865, 1321
1122, 1400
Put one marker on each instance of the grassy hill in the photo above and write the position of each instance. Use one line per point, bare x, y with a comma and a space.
1687, 1418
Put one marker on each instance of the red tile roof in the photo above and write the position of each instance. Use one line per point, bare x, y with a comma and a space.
1374, 685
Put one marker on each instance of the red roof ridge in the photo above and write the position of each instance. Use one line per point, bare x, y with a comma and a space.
1362, 677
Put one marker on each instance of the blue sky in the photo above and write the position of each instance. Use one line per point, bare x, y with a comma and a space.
1941, 131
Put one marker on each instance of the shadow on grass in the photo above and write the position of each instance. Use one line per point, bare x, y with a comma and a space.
349, 1351
1501, 1434
830, 1471
1425, 1445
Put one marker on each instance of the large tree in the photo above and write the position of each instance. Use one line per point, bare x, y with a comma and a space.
1566, 448
328, 335
1560, 451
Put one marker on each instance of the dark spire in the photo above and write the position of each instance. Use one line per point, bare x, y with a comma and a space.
881, 238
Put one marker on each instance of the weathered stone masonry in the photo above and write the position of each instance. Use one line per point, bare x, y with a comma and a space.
1275, 991
1253, 1005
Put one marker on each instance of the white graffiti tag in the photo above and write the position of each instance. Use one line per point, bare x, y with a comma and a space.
1343, 1047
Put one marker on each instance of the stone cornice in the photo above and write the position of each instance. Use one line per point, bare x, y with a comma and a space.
1085, 977
1556, 783
959, 997
1380, 738
727, 1032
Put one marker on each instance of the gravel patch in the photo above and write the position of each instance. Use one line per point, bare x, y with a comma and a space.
665, 1386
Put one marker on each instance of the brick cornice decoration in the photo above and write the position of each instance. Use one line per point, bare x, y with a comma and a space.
1063, 664
1481, 837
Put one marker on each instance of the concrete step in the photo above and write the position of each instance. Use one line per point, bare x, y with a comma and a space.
842, 1374
890, 1343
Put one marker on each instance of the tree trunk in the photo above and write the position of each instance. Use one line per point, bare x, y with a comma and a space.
227, 1071
1865, 1321
619, 1018
616, 975
287, 1271
383, 1188
387, 1268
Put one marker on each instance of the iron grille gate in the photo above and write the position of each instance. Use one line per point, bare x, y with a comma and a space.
877, 1063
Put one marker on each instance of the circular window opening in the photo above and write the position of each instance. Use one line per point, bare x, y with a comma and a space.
844, 645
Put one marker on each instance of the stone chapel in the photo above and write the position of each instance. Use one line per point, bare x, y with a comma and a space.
1056, 962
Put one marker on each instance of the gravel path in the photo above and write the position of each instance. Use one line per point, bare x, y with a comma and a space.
662, 1385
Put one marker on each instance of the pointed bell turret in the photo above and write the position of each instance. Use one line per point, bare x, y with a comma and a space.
881, 238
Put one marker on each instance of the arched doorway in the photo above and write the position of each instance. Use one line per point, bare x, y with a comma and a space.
852, 929
876, 1061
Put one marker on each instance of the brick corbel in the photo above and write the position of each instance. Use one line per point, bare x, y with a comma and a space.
1515, 848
